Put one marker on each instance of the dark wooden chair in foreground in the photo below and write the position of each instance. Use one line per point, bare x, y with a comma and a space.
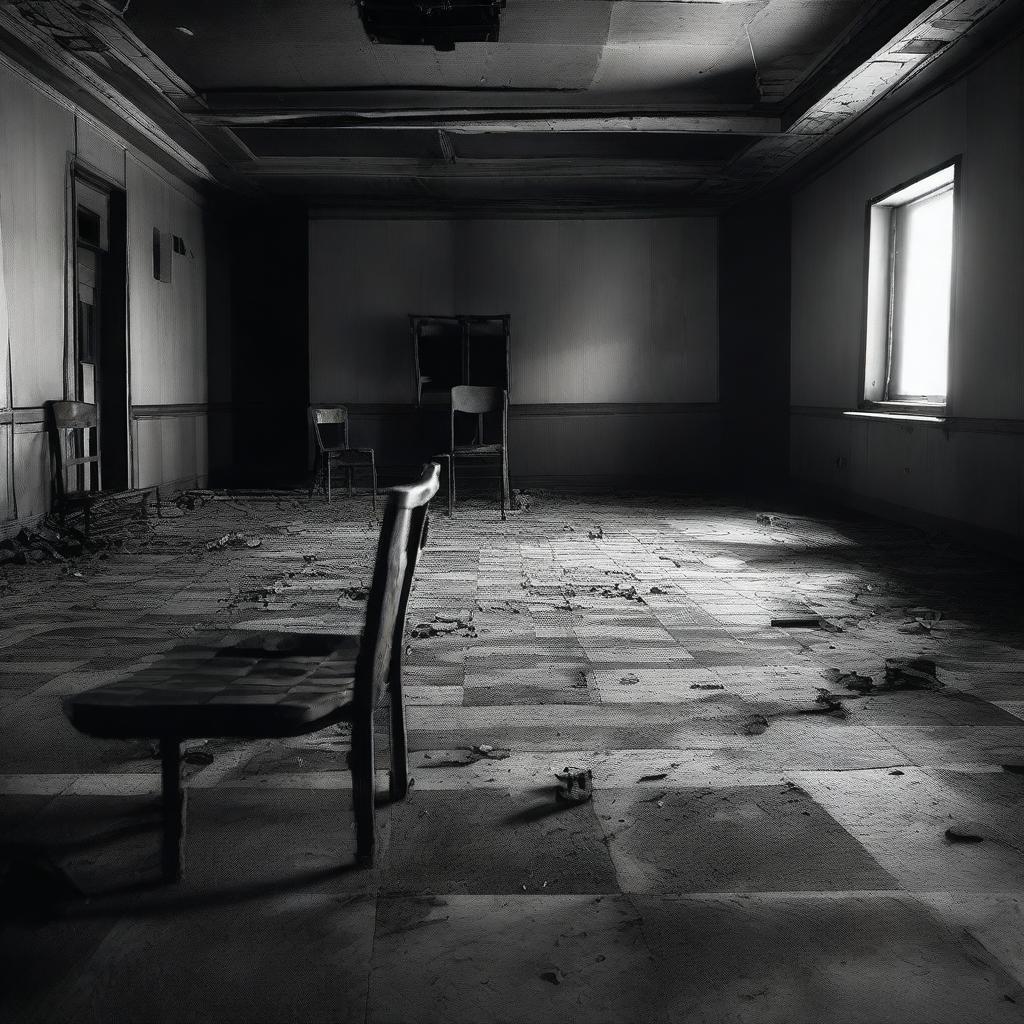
479, 401
268, 685
330, 432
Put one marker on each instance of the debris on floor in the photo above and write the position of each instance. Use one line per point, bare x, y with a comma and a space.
963, 834
707, 686
554, 977
235, 540
653, 778
853, 681
765, 519
910, 674
445, 624
357, 592
485, 750
629, 679
798, 622
42, 545
596, 534
522, 500
575, 785
626, 590
830, 704
113, 526
191, 500
755, 725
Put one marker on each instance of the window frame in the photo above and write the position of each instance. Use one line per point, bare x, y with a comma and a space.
881, 224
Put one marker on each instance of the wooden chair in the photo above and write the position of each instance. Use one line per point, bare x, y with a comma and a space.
330, 431
269, 685
71, 428
478, 401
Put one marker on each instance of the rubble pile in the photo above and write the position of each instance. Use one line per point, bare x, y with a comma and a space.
458, 623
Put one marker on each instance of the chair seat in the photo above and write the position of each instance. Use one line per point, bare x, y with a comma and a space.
341, 453
478, 449
251, 685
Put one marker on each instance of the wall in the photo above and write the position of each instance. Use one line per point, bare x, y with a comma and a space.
41, 134
614, 336
971, 470
269, 366
754, 344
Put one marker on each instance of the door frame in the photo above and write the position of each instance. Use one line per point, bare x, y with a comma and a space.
117, 251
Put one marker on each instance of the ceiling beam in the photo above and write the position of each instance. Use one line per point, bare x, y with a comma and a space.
864, 38
468, 122
409, 167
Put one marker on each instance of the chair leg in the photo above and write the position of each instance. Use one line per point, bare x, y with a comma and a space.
508, 483
172, 808
328, 463
349, 481
316, 473
501, 487
373, 485
451, 487
363, 788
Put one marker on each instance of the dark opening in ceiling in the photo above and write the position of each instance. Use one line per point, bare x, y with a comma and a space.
437, 23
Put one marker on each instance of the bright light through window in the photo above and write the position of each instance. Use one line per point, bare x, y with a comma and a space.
921, 284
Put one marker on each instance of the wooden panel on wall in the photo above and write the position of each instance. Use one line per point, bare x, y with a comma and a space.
36, 138
571, 443
922, 468
167, 318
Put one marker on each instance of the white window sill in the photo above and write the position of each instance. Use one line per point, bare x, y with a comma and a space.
899, 416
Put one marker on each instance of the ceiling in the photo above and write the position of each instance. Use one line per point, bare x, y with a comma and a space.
579, 104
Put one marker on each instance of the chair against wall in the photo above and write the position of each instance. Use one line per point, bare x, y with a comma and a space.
71, 428
468, 399
330, 432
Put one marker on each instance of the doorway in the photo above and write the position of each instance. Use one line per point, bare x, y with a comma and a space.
101, 337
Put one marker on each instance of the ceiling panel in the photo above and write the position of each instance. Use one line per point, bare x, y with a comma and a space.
579, 102
333, 142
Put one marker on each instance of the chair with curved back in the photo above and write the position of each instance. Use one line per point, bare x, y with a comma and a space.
269, 684
330, 432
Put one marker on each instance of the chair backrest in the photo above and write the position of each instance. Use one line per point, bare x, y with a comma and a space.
330, 426
68, 426
474, 398
402, 534
477, 399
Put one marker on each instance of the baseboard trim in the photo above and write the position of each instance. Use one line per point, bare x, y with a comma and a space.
159, 412
545, 409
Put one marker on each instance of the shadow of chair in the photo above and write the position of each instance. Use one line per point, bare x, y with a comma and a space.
468, 399
256, 685
330, 432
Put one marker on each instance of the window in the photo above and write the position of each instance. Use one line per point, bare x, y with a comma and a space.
910, 285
